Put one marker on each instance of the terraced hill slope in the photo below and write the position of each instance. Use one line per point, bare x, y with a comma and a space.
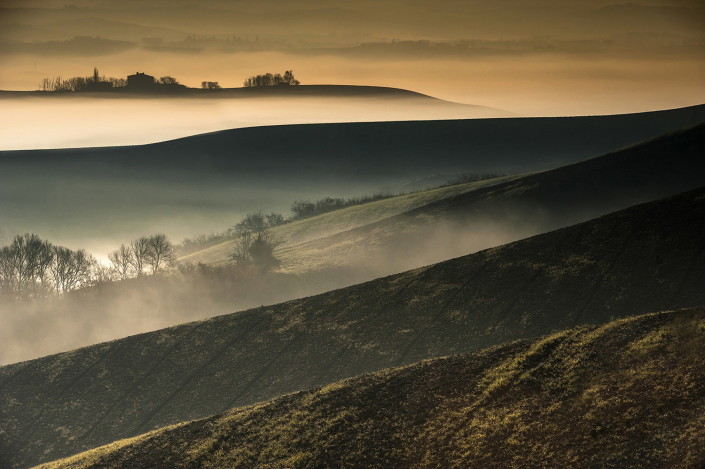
627, 394
646, 258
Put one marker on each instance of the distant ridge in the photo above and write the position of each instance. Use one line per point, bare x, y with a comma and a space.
619, 395
324, 91
646, 258
399, 150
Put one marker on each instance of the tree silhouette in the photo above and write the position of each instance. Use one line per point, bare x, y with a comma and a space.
269, 79
160, 252
122, 262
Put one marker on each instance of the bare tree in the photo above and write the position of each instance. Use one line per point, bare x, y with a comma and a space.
241, 248
256, 248
122, 261
168, 80
102, 274
8, 274
70, 269
261, 251
24, 266
140, 251
160, 253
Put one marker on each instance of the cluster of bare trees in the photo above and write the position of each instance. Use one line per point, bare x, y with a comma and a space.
254, 242
31, 267
148, 254
168, 81
252, 222
91, 83
305, 208
269, 79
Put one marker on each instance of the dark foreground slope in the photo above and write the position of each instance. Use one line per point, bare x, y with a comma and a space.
629, 394
108, 195
646, 258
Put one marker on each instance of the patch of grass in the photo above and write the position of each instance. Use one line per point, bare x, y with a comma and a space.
629, 411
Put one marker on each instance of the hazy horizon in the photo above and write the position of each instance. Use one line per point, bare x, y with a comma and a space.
536, 58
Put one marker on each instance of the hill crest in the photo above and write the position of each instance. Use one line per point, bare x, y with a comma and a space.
637, 260
621, 394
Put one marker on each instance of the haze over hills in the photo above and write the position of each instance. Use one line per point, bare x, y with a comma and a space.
141, 115
624, 394
646, 258
357, 244
207, 182
465, 218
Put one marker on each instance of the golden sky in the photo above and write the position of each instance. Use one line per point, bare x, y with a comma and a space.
532, 57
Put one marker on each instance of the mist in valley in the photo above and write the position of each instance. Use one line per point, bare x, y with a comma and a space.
193, 291
309, 265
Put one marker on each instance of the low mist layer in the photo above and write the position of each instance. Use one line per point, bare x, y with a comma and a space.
29, 122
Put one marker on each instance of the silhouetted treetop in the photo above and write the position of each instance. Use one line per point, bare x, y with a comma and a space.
269, 79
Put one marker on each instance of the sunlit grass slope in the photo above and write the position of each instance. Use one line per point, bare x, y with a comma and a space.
646, 258
408, 231
299, 232
627, 394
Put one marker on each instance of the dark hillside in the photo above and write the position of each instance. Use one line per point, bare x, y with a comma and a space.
628, 394
645, 258
380, 149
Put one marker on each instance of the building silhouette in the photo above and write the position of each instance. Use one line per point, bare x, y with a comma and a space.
140, 81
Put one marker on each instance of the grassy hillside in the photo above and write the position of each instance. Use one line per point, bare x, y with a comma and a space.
104, 196
297, 234
627, 394
405, 232
646, 258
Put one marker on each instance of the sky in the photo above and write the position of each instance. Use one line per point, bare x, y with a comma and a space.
530, 57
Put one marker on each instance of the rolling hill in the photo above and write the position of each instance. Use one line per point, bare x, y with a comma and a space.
627, 394
360, 243
99, 197
408, 231
646, 258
